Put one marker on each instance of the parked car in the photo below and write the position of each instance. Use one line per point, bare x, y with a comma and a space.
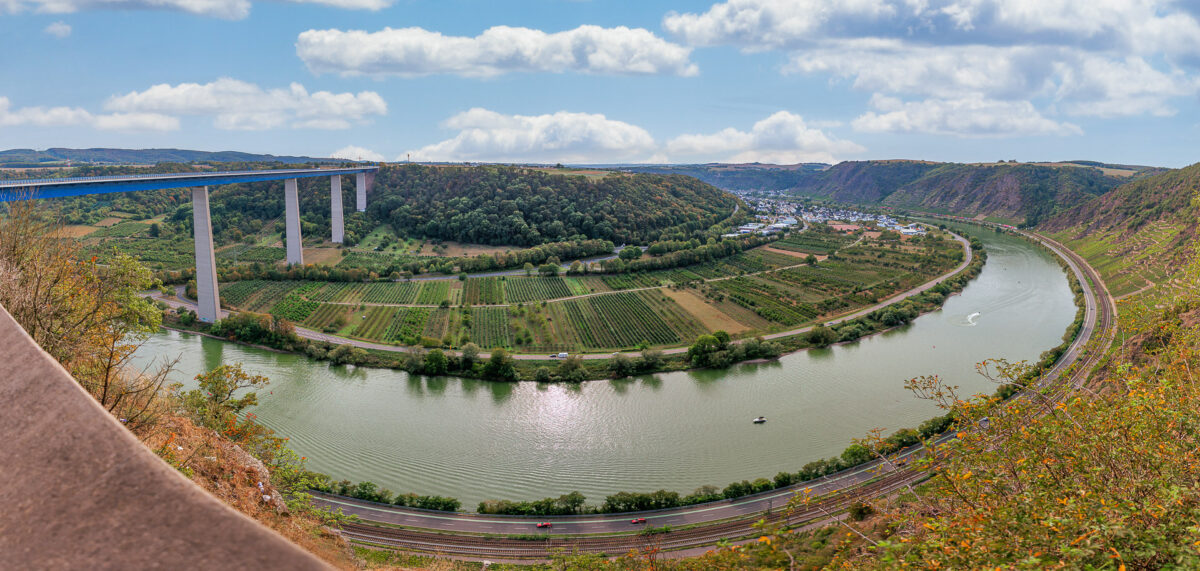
544, 524
638, 520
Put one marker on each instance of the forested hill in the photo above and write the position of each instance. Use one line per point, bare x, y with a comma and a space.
1018, 192
1168, 196
741, 177
1139, 235
492, 205
524, 207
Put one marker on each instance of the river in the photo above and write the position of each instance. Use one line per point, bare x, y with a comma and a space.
476, 440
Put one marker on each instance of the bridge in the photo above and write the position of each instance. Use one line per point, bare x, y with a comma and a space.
209, 306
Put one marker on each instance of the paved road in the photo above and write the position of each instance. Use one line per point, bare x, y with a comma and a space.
180, 301
1099, 313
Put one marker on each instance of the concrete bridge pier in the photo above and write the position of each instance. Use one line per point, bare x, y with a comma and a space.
291, 215
335, 208
360, 186
207, 296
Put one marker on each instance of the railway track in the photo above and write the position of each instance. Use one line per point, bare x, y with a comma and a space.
1067, 376
513, 548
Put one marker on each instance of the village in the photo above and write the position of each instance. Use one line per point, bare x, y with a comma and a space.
778, 216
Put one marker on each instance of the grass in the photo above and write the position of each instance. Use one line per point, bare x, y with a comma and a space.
758, 291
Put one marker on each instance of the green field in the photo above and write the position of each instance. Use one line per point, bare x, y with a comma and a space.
525, 290
755, 292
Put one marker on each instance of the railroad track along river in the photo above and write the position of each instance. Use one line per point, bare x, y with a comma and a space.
481, 537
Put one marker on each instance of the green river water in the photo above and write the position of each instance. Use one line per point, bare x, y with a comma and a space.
476, 440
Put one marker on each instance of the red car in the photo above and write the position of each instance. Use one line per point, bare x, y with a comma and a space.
638, 520
544, 524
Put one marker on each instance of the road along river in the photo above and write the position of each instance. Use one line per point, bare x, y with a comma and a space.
476, 440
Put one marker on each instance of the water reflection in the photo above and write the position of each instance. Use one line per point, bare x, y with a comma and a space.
677, 431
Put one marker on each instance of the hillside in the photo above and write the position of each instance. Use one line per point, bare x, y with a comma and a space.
515, 206
491, 205
1137, 235
28, 158
1014, 192
740, 177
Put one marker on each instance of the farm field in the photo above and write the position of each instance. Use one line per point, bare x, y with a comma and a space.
753, 293
525, 290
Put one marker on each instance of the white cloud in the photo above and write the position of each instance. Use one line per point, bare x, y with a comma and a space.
1101, 58
58, 29
225, 9
782, 138
415, 52
485, 135
968, 117
1139, 25
238, 105
78, 117
353, 153
763, 24
1084, 83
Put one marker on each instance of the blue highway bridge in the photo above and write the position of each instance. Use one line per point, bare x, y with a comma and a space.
209, 306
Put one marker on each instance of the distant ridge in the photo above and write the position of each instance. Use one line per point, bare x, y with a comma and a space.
30, 158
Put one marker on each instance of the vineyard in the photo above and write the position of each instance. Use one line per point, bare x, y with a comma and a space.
294, 308
490, 328
758, 291
406, 325
245, 253
390, 292
433, 292
326, 316
813, 243
236, 294
622, 320
767, 301
483, 291
372, 324
525, 290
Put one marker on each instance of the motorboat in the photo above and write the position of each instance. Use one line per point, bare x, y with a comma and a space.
760, 420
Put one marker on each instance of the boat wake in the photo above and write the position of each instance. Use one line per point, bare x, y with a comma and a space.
971, 319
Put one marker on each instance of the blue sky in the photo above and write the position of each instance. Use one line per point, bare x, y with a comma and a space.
605, 81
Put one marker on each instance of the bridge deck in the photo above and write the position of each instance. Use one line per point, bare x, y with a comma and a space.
78, 186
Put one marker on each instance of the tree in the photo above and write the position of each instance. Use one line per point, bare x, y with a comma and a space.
548, 270
572, 369
470, 354
213, 404
436, 362
821, 336
630, 253
501, 366
155, 230
528, 269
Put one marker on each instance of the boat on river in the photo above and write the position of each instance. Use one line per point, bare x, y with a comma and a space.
760, 420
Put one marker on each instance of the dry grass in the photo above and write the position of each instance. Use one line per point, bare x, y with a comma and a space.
792, 253
712, 318
78, 231
110, 221
328, 256
457, 249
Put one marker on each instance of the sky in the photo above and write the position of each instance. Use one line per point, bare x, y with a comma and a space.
609, 81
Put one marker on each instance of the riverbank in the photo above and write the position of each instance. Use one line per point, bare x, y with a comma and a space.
478, 440
502, 366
